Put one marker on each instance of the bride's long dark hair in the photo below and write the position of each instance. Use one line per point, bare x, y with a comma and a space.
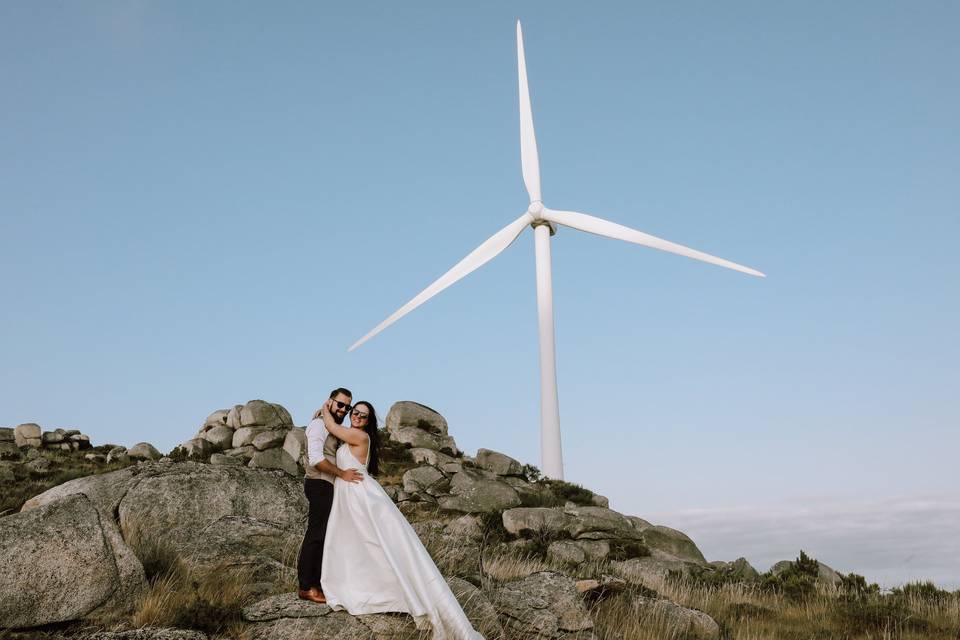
373, 455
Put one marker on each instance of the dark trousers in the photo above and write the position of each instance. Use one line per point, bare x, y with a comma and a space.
320, 498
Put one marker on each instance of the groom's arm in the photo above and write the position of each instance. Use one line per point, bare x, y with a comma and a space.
316, 434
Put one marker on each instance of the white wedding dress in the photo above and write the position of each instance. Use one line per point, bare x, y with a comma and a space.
373, 561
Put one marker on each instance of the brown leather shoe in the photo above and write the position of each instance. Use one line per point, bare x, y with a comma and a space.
313, 595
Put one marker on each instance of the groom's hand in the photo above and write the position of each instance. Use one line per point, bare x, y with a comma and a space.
351, 475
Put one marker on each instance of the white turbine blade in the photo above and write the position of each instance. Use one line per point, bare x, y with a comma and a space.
477, 258
601, 227
529, 159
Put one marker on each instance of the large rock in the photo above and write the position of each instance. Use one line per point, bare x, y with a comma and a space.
245, 452
412, 414
27, 435
825, 573
259, 413
53, 437
474, 492
499, 463
220, 458
233, 416
422, 439
684, 622
269, 439
649, 569
542, 605
244, 436
285, 617
598, 523
118, 454
295, 444
249, 543
431, 457
740, 569
219, 436
216, 419
421, 479
275, 459
62, 560
184, 500
197, 448
675, 543
575, 552
144, 451
524, 521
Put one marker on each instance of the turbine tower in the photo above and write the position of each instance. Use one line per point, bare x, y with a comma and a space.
543, 221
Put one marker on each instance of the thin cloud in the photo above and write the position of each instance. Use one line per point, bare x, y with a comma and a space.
891, 541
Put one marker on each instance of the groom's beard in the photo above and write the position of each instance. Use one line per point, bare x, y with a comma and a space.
340, 420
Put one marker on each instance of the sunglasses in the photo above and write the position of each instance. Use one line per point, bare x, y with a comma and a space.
343, 405
359, 415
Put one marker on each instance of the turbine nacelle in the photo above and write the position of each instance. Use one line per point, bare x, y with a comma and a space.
536, 211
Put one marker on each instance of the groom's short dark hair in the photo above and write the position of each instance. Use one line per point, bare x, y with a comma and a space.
339, 390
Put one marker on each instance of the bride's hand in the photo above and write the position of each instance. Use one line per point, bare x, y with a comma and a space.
351, 475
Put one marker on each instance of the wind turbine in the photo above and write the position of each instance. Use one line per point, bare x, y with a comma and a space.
543, 221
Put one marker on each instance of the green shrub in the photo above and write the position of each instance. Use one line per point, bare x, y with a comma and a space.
531, 473
567, 491
797, 582
704, 577
855, 586
926, 591
879, 614
541, 496
179, 454
747, 610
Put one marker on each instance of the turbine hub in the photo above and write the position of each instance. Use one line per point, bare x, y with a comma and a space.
535, 209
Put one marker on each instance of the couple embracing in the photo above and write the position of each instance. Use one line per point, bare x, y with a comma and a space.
359, 552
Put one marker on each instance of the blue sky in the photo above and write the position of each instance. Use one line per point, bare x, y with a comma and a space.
207, 203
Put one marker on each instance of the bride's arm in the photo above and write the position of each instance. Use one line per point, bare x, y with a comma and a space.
348, 435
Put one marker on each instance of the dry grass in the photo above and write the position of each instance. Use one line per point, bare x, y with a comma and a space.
211, 601
65, 466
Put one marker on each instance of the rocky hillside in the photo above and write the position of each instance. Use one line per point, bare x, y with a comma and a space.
203, 542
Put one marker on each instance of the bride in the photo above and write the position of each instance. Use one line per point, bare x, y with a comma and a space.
373, 560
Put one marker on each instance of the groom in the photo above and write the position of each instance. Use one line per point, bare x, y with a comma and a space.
318, 486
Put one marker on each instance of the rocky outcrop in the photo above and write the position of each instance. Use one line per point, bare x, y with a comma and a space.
245, 430
498, 463
542, 605
672, 543
685, 622
599, 523
739, 570
234, 516
406, 414
285, 617
476, 491
63, 561
524, 521
29, 435
825, 573
144, 451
